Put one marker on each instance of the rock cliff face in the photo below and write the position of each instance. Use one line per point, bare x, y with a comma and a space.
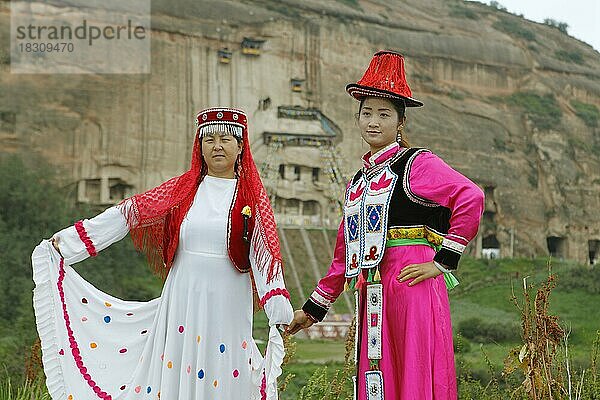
510, 103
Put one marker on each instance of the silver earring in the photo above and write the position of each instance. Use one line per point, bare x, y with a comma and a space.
399, 134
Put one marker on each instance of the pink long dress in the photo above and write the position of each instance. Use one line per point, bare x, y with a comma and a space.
417, 360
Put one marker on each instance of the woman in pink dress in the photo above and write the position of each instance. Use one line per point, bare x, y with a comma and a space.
407, 219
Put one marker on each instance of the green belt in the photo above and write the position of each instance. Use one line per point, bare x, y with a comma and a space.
451, 281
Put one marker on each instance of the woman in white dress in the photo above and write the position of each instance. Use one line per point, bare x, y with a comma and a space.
211, 233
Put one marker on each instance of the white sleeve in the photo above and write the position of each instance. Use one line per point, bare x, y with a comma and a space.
273, 295
89, 236
275, 299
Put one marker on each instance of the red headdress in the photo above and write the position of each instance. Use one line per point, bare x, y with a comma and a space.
154, 217
385, 77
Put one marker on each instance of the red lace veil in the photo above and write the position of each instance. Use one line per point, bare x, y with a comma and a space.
154, 217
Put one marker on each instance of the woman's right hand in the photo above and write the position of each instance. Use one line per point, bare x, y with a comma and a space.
300, 321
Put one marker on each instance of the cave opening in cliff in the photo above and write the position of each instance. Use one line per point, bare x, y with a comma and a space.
490, 247
594, 251
556, 246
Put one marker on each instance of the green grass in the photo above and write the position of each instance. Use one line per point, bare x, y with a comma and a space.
319, 351
484, 293
587, 112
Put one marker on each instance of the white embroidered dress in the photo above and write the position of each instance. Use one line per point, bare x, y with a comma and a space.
194, 342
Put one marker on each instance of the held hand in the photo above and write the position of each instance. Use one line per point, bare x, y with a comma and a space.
418, 272
300, 321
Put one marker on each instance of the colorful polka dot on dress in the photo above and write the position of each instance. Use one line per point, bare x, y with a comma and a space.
198, 339
236, 373
215, 383
84, 300
84, 319
244, 345
180, 329
201, 374
222, 348
170, 364
189, 369
107, 319
93, 345
138, 389
148, 389
107, 304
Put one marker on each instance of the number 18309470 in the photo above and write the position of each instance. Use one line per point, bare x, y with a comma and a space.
43, 47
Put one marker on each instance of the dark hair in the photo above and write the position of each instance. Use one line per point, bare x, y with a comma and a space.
400, 108
397, 103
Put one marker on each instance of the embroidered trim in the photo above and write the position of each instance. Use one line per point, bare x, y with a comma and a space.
420, 232
372, 159
263, 387
325, 295
367, 92
315, 310
376, 169
453, 246
374, 320
73, 343
374, 385
89, 245
357, 323
406, 183
273, 293
458, 236
320, 300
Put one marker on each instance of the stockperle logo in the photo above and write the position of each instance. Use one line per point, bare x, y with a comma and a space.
80, 36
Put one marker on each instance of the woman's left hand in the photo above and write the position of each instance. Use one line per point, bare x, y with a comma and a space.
418, 272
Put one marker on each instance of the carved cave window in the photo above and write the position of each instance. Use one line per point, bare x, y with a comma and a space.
557, 246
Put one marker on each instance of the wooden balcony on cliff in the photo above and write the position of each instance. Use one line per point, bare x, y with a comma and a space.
224, 55
252, 47
297, 84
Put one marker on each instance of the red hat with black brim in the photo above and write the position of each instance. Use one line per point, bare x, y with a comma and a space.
385, 77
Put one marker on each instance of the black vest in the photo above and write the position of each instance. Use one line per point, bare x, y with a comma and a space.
406, 208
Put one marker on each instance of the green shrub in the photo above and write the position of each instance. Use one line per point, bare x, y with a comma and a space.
482, 331
587, 112
580, 277
456, 95
515, 28
497, 6
461, 344
561, 26
569, 56
542, 110
463, 12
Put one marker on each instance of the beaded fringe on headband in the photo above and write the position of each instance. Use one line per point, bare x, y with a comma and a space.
224, 128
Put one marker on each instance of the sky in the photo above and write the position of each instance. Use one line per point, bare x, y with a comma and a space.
583, 16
